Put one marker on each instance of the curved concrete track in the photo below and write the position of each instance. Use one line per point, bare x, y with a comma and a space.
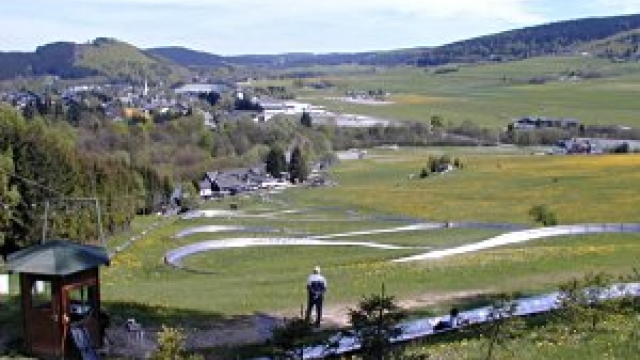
174, 257
525, 236
208, 229
425, 327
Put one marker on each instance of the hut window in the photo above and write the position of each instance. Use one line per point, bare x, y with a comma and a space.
82, 299
41, 294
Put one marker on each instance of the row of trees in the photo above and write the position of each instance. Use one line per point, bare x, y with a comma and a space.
297, 169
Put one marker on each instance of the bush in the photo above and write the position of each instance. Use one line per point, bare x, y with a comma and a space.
375, 323
542, 215
171, 346
289, 340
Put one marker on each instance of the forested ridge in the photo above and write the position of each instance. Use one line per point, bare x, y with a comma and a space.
123, 61
559, 38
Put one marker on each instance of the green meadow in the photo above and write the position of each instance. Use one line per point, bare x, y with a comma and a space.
377, 193
492, 94
495, 188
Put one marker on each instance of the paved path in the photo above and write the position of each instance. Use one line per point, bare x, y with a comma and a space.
525, 236
174, 257
425, 327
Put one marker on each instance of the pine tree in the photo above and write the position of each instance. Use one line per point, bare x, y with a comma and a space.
298, 170
276, 162
306, 119
375, 324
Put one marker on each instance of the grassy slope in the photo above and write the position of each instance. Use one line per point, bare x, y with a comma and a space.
493, 94
615, 338
490, 188
119, 59
272, 279
261, 279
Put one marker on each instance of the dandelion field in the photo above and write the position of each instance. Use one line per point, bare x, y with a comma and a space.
492, 188
495, 185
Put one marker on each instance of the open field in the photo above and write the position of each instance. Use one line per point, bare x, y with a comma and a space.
376, 194
490, 188
492, 94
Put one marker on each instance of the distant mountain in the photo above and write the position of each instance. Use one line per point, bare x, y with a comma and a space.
607, 37
187, 57
613, 37
103, 56
563, 37
51, 59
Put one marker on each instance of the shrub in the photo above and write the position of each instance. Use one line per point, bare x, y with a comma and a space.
375, 323
542, 215
171, 346
289, 340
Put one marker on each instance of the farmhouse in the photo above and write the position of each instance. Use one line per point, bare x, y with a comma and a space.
234, 181
541, 122
594, 146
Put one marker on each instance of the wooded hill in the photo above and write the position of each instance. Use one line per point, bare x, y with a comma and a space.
107, 57
612, 37
560, 38
566, 37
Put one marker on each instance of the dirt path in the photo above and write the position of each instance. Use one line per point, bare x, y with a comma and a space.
254, 329
337, 315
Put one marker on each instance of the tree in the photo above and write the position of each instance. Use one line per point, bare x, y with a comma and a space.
582, 301
437, 121
9, 198
74, 113
541, 214
289, 340
502, 325
375, 324
276, 162
298, 170
306, 119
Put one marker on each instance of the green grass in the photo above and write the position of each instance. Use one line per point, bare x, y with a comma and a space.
496, 185
492, 94
243, 281
490, 188
615, 338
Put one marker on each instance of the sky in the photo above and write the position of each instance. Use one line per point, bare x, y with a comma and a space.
231, 27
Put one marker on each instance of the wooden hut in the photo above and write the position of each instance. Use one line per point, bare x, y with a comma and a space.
59, 288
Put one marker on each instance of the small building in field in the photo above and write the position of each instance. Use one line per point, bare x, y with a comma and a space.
60, 297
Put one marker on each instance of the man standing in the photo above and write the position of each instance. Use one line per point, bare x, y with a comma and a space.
316, 286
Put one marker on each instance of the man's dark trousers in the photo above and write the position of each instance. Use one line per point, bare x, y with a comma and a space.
314, 301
